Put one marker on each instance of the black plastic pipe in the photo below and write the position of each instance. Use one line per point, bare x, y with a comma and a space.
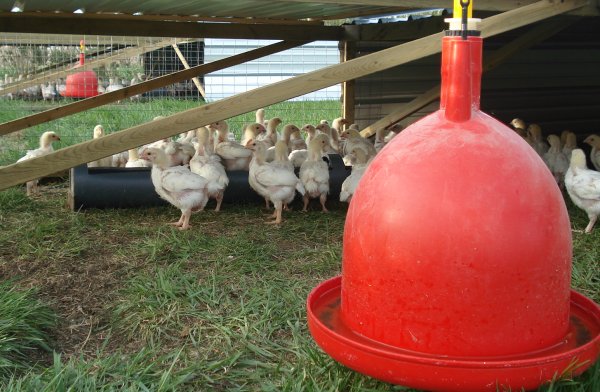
114, 187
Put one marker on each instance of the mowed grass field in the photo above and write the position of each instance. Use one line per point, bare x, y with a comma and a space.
116, 300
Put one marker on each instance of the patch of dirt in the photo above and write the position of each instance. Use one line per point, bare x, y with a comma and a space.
79, 290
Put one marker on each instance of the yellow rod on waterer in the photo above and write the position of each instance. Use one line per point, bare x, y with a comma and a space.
457, 13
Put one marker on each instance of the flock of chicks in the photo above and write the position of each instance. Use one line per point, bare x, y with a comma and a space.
567, 163
189, 171
192, 169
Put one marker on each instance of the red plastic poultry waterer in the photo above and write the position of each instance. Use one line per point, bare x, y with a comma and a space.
457, 257
81, 84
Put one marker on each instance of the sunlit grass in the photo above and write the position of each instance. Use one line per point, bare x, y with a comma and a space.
220, 307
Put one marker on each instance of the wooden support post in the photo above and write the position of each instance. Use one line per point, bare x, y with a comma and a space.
187, 66
348, 87
494, 59
89, 103
251, 100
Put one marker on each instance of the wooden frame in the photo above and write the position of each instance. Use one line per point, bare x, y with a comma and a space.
242, 103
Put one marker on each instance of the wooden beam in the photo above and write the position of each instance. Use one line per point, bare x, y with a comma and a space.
64, 71
535, 35
186, 65
251, 100
348, 87
400, 31
89, 103
80, 23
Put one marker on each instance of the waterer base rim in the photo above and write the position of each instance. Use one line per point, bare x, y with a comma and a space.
407, 367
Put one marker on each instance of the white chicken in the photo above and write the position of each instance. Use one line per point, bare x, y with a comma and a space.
594, 142
274, 183
260, 116
353, 140
179, 153
134, 160
556, 160
380, 136
102, 162
45, 148
234, 155
311, 132
360, 162
324, 128
271, 136
583, 186
254, 131
208, 165
395, 130
296, 141
314, 172
535, 139
337, 127
570, 144
177, 185
113, 85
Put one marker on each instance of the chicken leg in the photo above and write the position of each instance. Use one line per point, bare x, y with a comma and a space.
590, 226
219, 199
323, 199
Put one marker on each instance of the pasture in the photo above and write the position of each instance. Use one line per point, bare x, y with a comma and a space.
115, 300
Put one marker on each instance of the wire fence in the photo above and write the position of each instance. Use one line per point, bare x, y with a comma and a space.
42, 72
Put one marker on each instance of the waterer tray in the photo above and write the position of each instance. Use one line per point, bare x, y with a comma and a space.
570, 357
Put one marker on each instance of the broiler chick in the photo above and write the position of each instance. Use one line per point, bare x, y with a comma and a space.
45, 148
270, 137
208, 165
311, 132
102, 162
234, 155
254, 131
325, 129
177, 185
260, 116
594, 141
314, 172
380, 136
272, 182
179, 153
536, 139
583, 186
556, 161
354, 139
395, 130
519, 127
337, 127
134, 160
570, 144
360, 162
296, 141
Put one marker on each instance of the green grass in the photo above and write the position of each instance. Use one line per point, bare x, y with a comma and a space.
118, 116
24, 325
142, 306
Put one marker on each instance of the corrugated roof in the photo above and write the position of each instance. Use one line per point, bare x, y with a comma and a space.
290, 9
